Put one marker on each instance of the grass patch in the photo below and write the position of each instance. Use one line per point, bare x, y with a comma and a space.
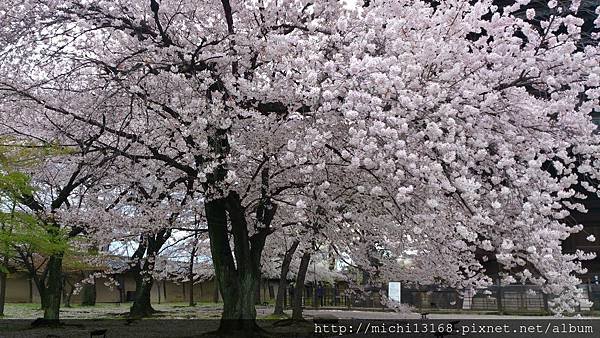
273, 316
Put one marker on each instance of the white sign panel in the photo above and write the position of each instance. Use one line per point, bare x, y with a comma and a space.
394, 291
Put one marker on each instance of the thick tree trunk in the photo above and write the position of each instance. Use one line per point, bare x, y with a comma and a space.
237, 280
239, 312
285, 268
42, 293
53, 291
88, 294
297, 307
143, 273
237, 315
142, 306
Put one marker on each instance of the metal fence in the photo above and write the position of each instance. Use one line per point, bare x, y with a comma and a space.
594, 296
334, 297
512, 298
522, 298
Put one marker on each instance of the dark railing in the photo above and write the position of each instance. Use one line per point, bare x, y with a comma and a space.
333, 297
495, 298
512, 298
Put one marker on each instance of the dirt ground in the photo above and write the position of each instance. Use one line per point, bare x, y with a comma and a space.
180, 320
171, 320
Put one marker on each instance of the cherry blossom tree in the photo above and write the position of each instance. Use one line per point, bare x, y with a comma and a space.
137, 207
208, 117
493, 137
54, 174
460, 125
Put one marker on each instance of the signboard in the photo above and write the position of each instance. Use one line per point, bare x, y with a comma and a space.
394, 291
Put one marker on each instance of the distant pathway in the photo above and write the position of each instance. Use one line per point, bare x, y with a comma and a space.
350, 314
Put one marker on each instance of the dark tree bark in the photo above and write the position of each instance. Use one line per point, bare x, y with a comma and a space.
53, 291
237, 278
3, 278
191, 295
285, 268
233, 285
142, 306
88, 294
297, 303
30, 284
41, 280
191, 272
271, 290
68, 290
257, 291
236, 272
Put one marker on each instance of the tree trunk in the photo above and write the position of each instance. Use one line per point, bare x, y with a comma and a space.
257, 292
142, 306
2, 291
67, 291
297, 307
191, 271
53, 291
237, 277
285, 268
150, 245
88, 294
30, 295
191, 295
228, 279
43, 301
237, 281
3, 278
67, 297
